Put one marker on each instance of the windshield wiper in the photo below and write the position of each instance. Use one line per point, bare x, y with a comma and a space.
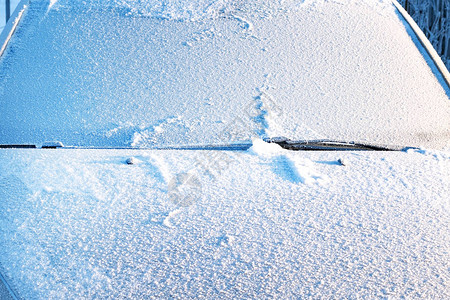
329, 145
305, 145
11, 146
45, 145
302, 145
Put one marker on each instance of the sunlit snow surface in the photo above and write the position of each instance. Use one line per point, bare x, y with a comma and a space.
257, 224
262, 223
158, 73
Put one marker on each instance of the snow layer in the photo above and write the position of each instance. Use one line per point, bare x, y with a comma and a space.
213, 224
157, 73
167, 9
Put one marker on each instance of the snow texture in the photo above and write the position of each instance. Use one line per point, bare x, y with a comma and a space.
5, 293
84, 224
262, 223
160, 73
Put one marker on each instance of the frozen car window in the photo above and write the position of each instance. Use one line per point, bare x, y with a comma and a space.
161, 73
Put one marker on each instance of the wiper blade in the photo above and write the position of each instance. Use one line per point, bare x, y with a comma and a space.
329, 145
46, 145
304, 145
224, 147
19, 146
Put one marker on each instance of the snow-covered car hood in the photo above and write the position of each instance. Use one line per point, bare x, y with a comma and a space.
261, 223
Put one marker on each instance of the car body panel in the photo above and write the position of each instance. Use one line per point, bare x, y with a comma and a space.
246, 224
260, 223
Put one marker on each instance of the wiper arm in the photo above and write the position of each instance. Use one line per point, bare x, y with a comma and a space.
329, 145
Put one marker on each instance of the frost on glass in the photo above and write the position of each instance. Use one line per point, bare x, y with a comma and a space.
165, 73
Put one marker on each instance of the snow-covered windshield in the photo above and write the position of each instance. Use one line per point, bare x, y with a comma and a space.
119, 73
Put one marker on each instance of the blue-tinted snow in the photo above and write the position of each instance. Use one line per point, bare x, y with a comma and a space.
257, 224
211, 224
158, 73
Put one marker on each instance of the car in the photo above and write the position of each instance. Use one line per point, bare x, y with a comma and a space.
222, 149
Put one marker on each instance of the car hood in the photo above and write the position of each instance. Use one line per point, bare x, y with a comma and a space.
266, 222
